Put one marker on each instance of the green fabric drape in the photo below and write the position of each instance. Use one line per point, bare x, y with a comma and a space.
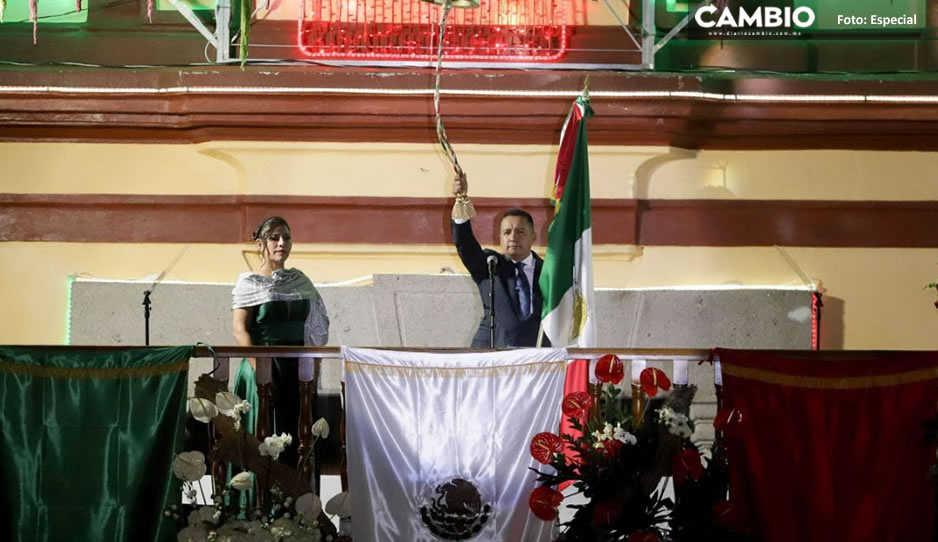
87, 442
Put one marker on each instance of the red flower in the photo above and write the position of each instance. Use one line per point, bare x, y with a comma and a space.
724, 515
727, 416
643, 536
686, 464
544, 445
577, 404
611, 448
609, 368
544, 502
652, 379
605, 513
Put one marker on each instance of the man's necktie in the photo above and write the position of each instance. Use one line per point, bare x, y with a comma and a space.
523, 287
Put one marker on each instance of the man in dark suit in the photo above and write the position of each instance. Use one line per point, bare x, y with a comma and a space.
517, 269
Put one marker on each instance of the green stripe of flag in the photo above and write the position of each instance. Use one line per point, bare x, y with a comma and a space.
566, 278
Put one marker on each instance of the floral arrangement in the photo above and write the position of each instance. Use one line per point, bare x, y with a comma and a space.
282, 514
617, 459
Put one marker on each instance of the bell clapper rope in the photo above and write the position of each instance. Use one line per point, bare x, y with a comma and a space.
462, 207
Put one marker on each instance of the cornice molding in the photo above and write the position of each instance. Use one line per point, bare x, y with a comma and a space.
358, 105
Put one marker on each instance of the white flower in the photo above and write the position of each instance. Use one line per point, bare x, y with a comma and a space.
598, 444
203, 515
242, 481
321, 428
599, 436
706, 454
273, 446
680, 428
189, 466
677, 424
308, 507
607, 431
624, 436
340, 505
227, 402
202, 410
668, 416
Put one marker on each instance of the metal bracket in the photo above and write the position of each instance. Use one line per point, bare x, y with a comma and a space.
679, 26
648, 46
648, 34
221, 34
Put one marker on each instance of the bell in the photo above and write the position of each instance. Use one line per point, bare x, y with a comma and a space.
455, 3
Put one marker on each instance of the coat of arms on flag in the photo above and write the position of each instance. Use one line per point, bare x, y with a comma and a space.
438, 444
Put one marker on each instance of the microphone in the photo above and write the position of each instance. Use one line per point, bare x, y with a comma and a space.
492, 261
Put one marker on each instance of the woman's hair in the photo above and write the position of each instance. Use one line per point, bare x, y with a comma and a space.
262, 231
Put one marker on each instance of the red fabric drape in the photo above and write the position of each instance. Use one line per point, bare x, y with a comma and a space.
576, 380
832, 447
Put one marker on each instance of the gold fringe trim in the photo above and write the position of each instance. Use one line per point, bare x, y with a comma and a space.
88, 372
463, 208
455, 372
832, 383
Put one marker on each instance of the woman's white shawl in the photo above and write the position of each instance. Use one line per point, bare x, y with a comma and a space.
253, 289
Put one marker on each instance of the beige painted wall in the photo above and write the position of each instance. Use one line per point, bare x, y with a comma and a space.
875, 296
420, 170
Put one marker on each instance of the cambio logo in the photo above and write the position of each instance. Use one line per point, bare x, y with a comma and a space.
762, 17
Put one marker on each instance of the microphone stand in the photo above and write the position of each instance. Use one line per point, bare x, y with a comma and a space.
491, 264
148, 291
146, 317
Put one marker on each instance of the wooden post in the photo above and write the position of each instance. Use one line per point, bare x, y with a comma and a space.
595, 390
638, 405
307, 454
219, 468
263, 376
343, 457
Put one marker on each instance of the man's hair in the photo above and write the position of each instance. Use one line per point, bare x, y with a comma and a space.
518, 212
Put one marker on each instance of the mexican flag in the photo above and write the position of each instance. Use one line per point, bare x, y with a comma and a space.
566, 280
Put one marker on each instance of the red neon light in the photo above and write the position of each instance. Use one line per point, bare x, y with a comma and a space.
499, 30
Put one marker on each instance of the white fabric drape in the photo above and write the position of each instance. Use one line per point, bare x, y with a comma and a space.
417, 420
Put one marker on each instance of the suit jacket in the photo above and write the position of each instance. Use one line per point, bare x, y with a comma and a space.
510, 328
